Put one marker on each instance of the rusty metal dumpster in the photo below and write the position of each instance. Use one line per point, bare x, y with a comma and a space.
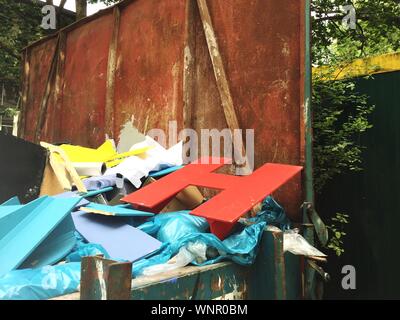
204, 64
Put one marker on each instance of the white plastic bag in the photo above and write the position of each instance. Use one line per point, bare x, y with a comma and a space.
296, 244
192, 251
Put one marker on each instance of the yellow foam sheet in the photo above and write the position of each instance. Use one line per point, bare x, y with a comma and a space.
105, 153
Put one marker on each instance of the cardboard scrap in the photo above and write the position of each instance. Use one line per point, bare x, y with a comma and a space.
61, 175
114, 211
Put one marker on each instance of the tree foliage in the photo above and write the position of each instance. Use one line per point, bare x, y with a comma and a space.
377, 30
338, 223
20, 22
340, 112
340, 116
19, 25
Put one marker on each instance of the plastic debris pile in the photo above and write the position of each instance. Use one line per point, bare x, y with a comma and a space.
78, 210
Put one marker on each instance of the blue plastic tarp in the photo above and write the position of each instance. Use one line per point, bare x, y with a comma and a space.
176, 229
240, 247
41, 283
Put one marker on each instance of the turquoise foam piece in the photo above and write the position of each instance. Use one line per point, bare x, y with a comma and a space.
13, 201
163, 172
56, 246
36, 234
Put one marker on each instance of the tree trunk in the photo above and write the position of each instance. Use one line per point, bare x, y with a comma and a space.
81, 9
49, 2
62, 4
59, 13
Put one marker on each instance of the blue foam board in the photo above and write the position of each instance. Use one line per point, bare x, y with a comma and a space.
120, 240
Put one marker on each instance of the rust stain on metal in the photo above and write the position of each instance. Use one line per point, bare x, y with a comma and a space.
111, 69
149, 82
25, 92
187, 294
39, 58
243, 290
217, 283
201, 286
279, 261
103, 279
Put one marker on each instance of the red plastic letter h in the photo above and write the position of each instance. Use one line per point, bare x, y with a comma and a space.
238, 195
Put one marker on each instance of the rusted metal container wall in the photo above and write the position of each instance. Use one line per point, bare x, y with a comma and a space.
149, 66
147, 61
